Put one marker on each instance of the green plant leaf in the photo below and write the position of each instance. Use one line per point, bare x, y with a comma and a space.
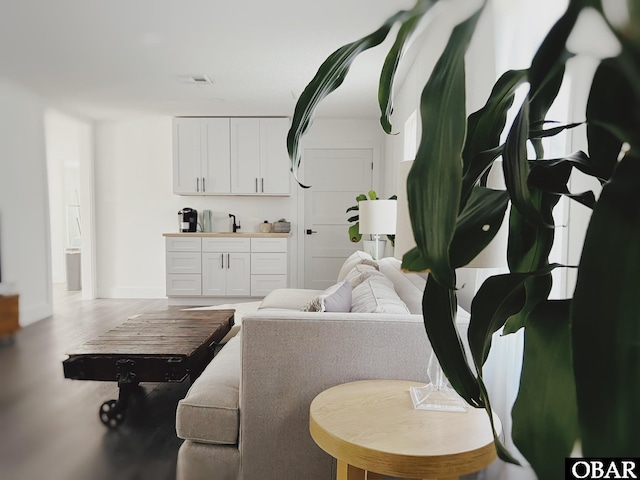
354, 233
544, 415
372, 195
478, 224
605, 320
608, 104
550, 132
501, 450
439, 312
330, 76
412, 261
516, 168
552, 176
355, 218
391, 62
435, 179
497, 299
548, 65
485, 127
353, 208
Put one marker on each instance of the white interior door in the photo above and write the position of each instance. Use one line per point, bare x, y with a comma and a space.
337, 177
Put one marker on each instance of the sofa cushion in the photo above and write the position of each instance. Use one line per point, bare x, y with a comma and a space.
359, 273
408, 286
288, 298
209, 411
377, 295
336, 298
354, 259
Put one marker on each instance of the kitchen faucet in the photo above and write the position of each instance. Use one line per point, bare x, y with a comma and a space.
235, 227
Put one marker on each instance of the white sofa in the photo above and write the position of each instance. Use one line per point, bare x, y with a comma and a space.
247, 416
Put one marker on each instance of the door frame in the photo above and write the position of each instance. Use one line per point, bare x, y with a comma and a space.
377, 158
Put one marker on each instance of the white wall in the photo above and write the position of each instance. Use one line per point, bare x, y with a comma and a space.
24, 209
135, 204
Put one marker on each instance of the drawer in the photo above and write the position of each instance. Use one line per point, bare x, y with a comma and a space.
269, 263
184, 262
184, 285
226, 245
182, 244
262, 285
268, 245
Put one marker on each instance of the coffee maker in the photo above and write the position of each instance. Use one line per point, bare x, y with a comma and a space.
188, 220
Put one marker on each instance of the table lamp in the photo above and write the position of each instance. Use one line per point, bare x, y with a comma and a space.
438, 393
377, 217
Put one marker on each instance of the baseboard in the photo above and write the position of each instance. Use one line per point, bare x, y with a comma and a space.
34, 313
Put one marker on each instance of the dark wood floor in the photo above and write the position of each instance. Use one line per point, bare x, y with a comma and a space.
49, 425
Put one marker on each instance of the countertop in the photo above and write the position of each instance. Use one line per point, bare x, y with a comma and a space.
228, 234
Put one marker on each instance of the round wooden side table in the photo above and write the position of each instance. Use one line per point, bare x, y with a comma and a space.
371, 426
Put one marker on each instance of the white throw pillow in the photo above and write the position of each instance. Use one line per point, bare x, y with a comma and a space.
377, 295
360, 273
409, 286
336, 298
354, 259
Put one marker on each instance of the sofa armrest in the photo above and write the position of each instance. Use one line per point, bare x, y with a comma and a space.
290, 357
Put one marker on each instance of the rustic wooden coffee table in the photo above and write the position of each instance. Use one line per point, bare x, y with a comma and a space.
163, 346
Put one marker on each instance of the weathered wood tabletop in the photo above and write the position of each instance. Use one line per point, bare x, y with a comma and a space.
162, 346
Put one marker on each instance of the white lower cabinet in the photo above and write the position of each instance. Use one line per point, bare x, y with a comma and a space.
226, 274
225, 266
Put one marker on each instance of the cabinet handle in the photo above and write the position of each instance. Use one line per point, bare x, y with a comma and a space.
197, 184
256, 184
222, 260
262, 180
203, 187
228, 262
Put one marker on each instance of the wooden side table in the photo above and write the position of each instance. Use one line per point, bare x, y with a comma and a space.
371, 426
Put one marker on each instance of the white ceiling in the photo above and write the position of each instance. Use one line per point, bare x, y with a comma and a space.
103, 59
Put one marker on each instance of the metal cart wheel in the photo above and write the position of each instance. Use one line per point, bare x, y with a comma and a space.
112, 414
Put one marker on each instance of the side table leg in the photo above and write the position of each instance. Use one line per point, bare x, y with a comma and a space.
349, 472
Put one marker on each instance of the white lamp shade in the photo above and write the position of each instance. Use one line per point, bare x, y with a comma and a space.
494, 255
377, 216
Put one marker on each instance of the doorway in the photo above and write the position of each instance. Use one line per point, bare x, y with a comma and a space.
336, 177
69, 152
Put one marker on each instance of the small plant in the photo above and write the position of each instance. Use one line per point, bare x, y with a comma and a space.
354, 230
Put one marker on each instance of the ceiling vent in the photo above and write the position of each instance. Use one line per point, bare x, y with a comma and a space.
195, 79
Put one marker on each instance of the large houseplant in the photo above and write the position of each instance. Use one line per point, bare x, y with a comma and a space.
581, 369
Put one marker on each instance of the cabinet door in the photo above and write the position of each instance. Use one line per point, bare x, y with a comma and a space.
214, 274
274, 159
239, 274
216, 156
186, 156
245, 155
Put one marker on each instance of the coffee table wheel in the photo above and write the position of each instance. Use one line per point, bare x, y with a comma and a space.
111, 414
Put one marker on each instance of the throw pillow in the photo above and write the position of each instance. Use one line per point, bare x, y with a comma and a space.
377, 295
336, 298
360, 273
354, 259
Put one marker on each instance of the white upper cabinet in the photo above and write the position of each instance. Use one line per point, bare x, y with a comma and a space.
218, 156
259, 160
201, 156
